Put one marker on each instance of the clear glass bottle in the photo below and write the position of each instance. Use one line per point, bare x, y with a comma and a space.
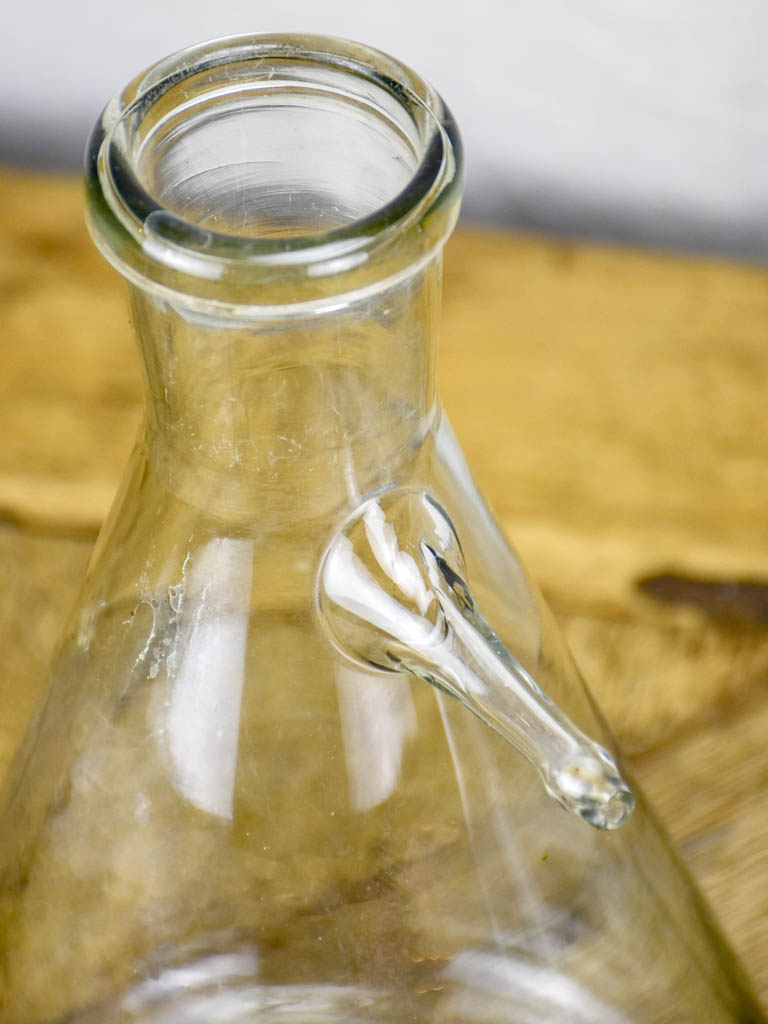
312, 750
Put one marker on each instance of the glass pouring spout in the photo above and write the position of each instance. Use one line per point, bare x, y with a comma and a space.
393, 595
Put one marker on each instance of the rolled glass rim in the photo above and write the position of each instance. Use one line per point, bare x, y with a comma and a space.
159, 251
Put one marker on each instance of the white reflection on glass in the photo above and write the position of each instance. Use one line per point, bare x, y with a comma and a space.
348, 582
397, 565
224, 987
492, 987
203, 719
377, 717
214, 971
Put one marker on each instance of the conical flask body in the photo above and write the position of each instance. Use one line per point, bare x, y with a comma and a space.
312, 750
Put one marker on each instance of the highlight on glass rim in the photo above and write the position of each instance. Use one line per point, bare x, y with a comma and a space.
313, 749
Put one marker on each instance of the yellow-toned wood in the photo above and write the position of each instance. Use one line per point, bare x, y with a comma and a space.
611, 404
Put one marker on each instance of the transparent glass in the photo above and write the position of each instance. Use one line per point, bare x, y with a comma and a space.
312, 750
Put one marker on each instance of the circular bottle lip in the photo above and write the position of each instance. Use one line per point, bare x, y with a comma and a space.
159, 251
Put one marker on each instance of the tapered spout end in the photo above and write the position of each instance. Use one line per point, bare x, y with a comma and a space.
589, 784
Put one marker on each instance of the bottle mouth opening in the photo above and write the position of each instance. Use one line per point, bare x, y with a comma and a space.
271, 170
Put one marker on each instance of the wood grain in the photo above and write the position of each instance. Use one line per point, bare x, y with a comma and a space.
611, 404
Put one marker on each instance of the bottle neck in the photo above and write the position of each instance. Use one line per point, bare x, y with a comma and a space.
279, 204
291, 417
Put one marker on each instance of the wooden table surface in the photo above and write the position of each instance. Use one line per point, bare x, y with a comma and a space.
612, 405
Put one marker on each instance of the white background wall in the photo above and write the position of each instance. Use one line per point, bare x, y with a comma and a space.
637, 119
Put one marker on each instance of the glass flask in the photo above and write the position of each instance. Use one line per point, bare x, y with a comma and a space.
312, 750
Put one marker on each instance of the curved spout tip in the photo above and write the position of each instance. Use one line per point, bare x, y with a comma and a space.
589, 784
